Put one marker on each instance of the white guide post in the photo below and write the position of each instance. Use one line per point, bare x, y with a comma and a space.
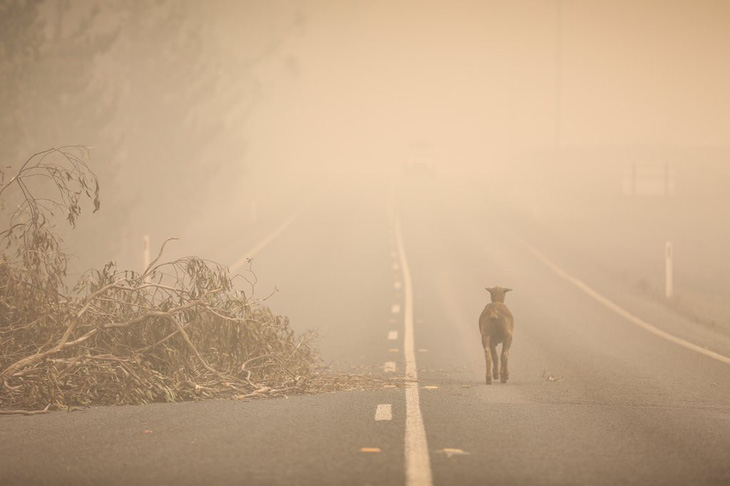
146, 254
668, 270
254, 212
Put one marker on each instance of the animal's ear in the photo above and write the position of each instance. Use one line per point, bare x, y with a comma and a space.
507, 290
488, 289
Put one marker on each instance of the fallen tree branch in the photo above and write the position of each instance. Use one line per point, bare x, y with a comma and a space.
63, 349
25, 412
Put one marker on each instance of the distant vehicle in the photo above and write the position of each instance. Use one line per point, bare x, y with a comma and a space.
419, 160
418, 166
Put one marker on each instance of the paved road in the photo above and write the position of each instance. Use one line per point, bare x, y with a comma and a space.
593, 398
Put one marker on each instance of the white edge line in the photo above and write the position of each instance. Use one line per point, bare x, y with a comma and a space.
622, 312
384, 411
262, 244
418, 462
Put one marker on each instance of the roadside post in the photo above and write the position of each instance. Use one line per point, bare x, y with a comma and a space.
668, 284
146, 253
254, 213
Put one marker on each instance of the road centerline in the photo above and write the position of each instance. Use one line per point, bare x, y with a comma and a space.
418, 463
383, 411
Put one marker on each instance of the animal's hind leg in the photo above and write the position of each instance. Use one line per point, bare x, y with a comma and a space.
504, 372
495, 361
487, 357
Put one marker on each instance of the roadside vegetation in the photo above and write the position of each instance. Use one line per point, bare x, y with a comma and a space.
179, 330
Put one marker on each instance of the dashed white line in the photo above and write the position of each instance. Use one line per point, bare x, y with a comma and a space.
395, 309
396, 267
384, 412
392, 335
389, 367
418, 462
397, 285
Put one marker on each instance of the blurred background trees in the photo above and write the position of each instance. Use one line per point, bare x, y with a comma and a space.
151, 88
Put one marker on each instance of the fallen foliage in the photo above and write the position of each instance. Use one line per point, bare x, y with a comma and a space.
179, 330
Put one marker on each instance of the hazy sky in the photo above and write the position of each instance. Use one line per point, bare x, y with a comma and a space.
375, 76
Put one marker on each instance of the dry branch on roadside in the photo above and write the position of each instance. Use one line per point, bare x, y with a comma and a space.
179, 330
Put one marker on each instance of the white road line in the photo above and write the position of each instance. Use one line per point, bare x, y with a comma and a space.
389, 367
396, 267
262, 244
621, 311
383, 412
393, 335
395, 309
418, 462
397, 285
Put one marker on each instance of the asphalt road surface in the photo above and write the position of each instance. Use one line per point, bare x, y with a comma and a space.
593, 398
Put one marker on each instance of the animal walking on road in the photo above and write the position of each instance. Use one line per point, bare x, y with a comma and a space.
496, 325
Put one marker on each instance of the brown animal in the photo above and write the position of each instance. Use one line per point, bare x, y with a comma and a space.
496, 325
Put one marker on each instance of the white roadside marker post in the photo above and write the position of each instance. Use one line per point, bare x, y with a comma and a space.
668, 270
146, 253
254, 212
